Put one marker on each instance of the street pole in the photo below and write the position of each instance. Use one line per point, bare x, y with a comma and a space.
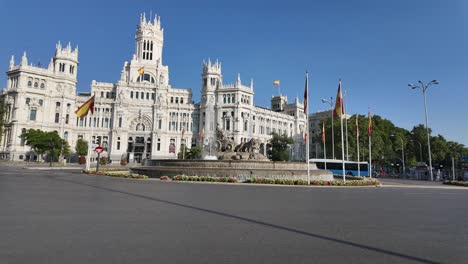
402, 156
453, 168
428, 136
424, 88
333, 133
346, 120
420, 149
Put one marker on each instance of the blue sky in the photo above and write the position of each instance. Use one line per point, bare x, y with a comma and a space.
375, 47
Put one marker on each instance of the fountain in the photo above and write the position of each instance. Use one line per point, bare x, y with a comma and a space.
243, 161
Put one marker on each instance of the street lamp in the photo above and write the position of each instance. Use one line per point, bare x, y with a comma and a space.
420, 148
331, 102
423, 89
402, 153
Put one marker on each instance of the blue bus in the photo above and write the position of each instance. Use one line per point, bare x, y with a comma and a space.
336, 166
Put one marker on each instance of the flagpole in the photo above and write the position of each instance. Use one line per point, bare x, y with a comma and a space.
346, 110
90, 145
342, 149
307, 128
357, 144
370, 157
324, 145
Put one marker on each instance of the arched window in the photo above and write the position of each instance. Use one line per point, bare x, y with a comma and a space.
42, 85
140, 127
29, 83
146, 78
65, 135
36, 85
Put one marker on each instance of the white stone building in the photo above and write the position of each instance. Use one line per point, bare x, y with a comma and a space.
141, 115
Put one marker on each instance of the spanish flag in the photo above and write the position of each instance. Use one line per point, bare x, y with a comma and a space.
200, 136
277, 82
83, 110
141, 71
370, 127
339, 109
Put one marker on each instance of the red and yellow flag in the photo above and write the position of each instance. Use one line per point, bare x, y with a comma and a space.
370, 127
339, 109
83, 110
323, 132
200, 136
141, 71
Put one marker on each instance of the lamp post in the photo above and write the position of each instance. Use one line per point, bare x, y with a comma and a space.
402, 153
420, 148
331, 102
423, 89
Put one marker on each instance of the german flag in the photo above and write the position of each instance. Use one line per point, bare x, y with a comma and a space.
83, 110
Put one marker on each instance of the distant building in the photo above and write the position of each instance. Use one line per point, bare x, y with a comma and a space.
141, 115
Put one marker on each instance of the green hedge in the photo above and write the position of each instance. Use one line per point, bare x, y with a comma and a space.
457, 183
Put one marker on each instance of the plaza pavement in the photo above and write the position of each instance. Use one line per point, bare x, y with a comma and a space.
66, 217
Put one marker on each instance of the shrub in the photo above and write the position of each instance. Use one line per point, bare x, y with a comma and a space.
103, 161
164, 178
82, 160
123, 162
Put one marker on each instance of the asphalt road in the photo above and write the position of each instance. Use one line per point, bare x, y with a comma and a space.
65, 217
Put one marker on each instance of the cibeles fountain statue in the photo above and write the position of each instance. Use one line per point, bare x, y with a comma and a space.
226, 149
223, 158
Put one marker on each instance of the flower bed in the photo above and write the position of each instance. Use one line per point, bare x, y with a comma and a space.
276, 181
457, 183
93, 170
117, 173
371, 182
204, 178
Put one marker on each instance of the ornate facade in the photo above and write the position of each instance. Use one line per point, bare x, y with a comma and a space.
141, 115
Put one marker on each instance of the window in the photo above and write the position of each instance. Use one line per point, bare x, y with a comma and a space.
120, 121
65, 135
177, 100
29, 83
172, 100
131, 94
102, 94
159, 144
32, 114
181, 100
42, 85
36, 85
136, 95
57, 117
67, 118
28, 100
41, 102
147, 96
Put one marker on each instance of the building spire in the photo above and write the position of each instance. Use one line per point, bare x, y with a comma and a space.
238, 83
12, 62
24, 59
251, 84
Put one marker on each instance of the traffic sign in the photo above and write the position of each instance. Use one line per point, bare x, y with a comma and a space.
98, 150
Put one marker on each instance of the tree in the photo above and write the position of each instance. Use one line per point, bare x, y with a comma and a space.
279, 147
191, 154
46, 142
81, 147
